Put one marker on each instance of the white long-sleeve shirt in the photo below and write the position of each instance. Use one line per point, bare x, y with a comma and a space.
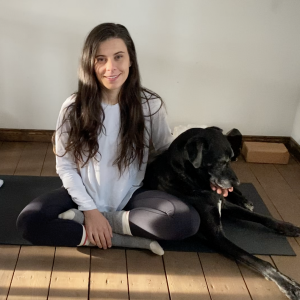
98, 184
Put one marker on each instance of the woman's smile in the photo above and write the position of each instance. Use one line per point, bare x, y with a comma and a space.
112, 78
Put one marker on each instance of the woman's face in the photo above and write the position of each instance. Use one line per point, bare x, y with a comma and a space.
112, 64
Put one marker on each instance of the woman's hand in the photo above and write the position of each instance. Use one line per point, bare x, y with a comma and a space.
220, 191
98, 229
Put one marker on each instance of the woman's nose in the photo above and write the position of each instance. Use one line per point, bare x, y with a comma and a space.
110, 65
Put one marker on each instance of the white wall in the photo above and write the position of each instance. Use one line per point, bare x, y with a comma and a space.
230, 63
296, 127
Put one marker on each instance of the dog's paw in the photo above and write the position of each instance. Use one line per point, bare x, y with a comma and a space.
240, 201
249, 205
288, 229
290, 288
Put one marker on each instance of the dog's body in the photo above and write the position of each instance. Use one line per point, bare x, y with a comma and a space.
197, 158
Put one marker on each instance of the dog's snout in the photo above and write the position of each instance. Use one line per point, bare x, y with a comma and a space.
234, 180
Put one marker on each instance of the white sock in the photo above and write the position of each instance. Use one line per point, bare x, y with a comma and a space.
85, 240
68, 215
73, 214
119, 220
125, 223
84, 237
119, 240
156, 248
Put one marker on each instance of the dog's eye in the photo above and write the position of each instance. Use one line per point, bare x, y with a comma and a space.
222, 164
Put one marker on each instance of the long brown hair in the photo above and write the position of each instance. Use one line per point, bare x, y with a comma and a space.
86, 114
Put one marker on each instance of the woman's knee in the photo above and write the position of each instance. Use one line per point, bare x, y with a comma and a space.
37, 214
28, 223
184, 219
184, 223
156, 214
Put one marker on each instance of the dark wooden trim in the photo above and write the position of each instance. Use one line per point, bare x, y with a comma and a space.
267, 139
294, 148
25, 135
32, 135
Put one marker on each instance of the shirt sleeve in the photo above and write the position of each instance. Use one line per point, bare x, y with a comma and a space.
66, 167
161, 132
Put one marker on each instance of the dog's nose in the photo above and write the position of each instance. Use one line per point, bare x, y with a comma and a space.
234, 180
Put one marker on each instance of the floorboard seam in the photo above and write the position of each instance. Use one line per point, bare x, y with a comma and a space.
90, 272
127, 274
19, 159
50, 279
12, 277
238, 265
270, 199
44, 160
163, 261
208, 291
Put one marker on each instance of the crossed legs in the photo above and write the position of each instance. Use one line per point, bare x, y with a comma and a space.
151, 216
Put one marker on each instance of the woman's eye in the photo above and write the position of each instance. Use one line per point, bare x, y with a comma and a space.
118, 57
100, 59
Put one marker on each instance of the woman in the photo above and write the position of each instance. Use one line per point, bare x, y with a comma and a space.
103, 136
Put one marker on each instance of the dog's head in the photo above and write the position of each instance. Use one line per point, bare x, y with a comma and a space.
209, 150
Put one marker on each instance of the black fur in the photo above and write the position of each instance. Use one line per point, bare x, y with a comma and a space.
235, 139
197, 158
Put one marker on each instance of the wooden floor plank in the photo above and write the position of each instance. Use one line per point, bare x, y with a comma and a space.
288, 205
290, 265
269, 177
223, 277
146, 276
10, 153
258, 286
49, 163
108, 275
284, 199
70, 276
291, 173
245, 174
32, 274
8, 260
185, 276
32, 159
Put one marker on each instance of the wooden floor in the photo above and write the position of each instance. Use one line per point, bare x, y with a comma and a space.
85, 273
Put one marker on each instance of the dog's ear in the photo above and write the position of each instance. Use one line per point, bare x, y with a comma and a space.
216, 128
193, 151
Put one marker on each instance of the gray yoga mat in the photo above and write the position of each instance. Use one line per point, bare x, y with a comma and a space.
18, 191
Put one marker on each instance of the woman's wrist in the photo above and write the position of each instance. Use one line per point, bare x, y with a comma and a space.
91, 212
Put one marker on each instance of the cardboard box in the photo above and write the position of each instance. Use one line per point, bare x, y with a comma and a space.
268, 153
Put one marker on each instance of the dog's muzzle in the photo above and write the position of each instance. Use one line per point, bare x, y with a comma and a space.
224, 183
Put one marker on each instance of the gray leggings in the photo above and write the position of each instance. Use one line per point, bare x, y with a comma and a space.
153, 214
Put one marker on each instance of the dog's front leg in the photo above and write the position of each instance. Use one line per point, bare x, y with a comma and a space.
284, 228
211, 228
237, 198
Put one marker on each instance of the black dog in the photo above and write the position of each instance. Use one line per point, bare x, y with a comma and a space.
197, 158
